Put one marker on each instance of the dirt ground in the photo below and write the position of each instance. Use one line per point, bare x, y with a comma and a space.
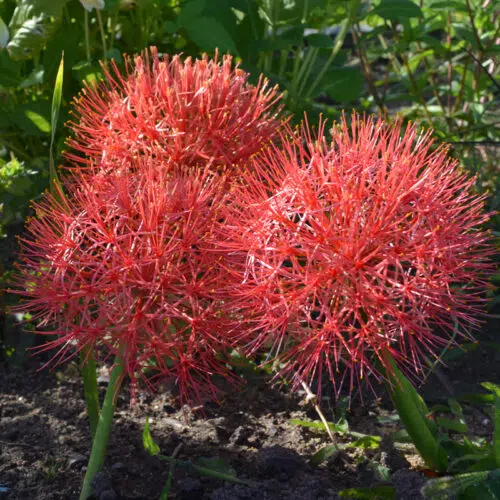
44, 438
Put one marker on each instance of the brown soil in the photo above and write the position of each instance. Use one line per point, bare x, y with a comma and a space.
44, 439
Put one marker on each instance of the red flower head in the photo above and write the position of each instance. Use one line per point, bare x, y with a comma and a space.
126, 265
368, 244
177, 112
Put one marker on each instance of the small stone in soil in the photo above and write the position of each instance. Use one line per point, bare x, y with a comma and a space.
103, 380
172, 422
76, 459
272, 430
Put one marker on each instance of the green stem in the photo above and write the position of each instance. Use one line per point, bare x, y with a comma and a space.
283, 59
103, 35
306, 68
100, 442
295, 71
114, 20
339, 41
414, 414
87, 38
90, 387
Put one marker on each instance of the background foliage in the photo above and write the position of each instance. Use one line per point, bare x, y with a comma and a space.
431, 61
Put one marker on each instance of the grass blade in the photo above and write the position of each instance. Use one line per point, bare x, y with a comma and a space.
54, 116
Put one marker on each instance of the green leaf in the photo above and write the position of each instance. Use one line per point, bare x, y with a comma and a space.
15, 178
170, 27
166, 489
401, 436
33, 118
190, 11
448, 5
216, 464
343, 84
34, 78
40, 122
397, 9
455, 407
415, 60
48, 7
91, 73
29, 38
324, 453
31, 26
342, 427
54, 116
380, 492
451, 487
382, 472
476, 398
205, 471
366, 443
11, 70
310, 425
452, 425
388, 419
464, 32
495, 389
320, 41
147, 440
414, 415
209, 34
4, 34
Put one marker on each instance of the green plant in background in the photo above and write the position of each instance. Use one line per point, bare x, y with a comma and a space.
473, 462
294, 49
437, 63
418, 59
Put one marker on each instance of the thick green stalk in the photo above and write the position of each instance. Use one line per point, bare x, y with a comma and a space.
90, 389
496, 433
495, 389
413, 413
100, 442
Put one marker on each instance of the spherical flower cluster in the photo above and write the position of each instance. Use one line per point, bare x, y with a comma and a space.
349, 249
185, 231
188, 113
127, 265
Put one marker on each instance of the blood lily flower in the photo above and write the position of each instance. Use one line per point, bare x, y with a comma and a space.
350, 249
181, 112
124, 267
